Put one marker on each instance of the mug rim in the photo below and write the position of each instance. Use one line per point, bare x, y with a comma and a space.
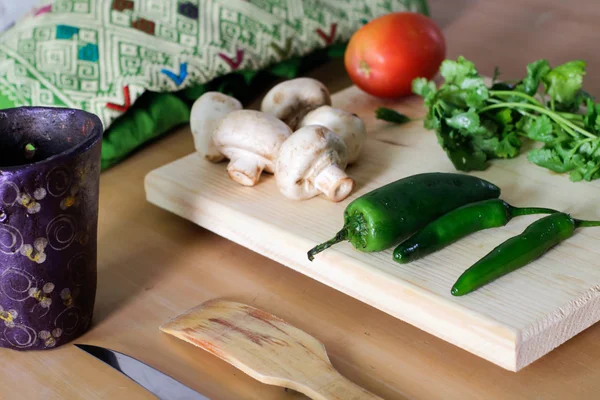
97, 132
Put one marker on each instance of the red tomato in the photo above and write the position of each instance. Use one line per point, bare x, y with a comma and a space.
385, 55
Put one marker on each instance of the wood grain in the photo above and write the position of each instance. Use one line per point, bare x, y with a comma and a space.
501, 322
154, 265
265, 347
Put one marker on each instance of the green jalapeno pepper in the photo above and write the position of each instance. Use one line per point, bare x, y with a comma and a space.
519, 251
383, 217
459, 223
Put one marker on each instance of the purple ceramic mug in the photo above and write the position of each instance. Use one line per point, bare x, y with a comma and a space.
49, 180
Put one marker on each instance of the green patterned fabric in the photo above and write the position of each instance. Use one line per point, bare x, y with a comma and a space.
105, 55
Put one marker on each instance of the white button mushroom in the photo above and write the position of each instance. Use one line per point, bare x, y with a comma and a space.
312, 161
291, 100
251, 141
206, 112
347, 125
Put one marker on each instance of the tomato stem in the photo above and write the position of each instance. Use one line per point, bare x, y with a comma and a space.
364, 68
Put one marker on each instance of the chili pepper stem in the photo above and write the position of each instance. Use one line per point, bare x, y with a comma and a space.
586, 224
517, 211
339, 237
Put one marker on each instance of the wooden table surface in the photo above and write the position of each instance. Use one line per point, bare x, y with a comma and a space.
154, 265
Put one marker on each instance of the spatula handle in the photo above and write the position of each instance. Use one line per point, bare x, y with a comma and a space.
333, 386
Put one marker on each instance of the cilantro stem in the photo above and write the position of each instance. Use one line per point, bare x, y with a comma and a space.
577, 119
516, 94
571, 116
578, 123
522, 112
542, 110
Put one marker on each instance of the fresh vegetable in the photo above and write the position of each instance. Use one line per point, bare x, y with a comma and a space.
251, 141
475, 123
346, 125
389, 115
459, 223
385, 216
386, 54
291, 100
518, 251
312, 161
206, 113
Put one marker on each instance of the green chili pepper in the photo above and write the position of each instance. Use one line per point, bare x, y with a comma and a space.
383, 217
459, 223
519, 250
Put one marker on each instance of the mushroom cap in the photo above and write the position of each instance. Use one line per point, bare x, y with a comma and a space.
247, 131
206, 112
347, 125
291, 100
310, 150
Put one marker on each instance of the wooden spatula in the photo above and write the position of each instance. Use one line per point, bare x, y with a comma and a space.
265, 347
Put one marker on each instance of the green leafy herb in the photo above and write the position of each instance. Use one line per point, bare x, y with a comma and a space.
535, 71
468, 122
538, 128
564, 82
390, 115
475, 123
424, 88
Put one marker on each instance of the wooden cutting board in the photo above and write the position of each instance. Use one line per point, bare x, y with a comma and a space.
511, 322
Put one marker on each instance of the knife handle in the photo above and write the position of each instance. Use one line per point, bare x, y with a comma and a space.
331, 385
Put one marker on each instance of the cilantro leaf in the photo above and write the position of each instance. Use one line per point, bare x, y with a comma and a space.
563, 83
457, 71
592, 172
586, 163
487, 145
477, 93
504, 116
468, 121
536, 71
423, 87
432, 122
547, 158
509, 146
583, 169
591, 116
591, 149
538, 128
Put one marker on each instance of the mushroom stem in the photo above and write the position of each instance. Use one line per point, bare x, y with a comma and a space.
246, 170
212, 154
334, 182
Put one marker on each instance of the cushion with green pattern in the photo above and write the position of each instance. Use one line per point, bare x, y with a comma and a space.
140, 64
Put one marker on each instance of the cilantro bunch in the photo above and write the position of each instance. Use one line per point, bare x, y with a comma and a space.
475, 122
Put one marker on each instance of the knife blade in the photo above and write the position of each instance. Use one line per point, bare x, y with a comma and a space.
159, 384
